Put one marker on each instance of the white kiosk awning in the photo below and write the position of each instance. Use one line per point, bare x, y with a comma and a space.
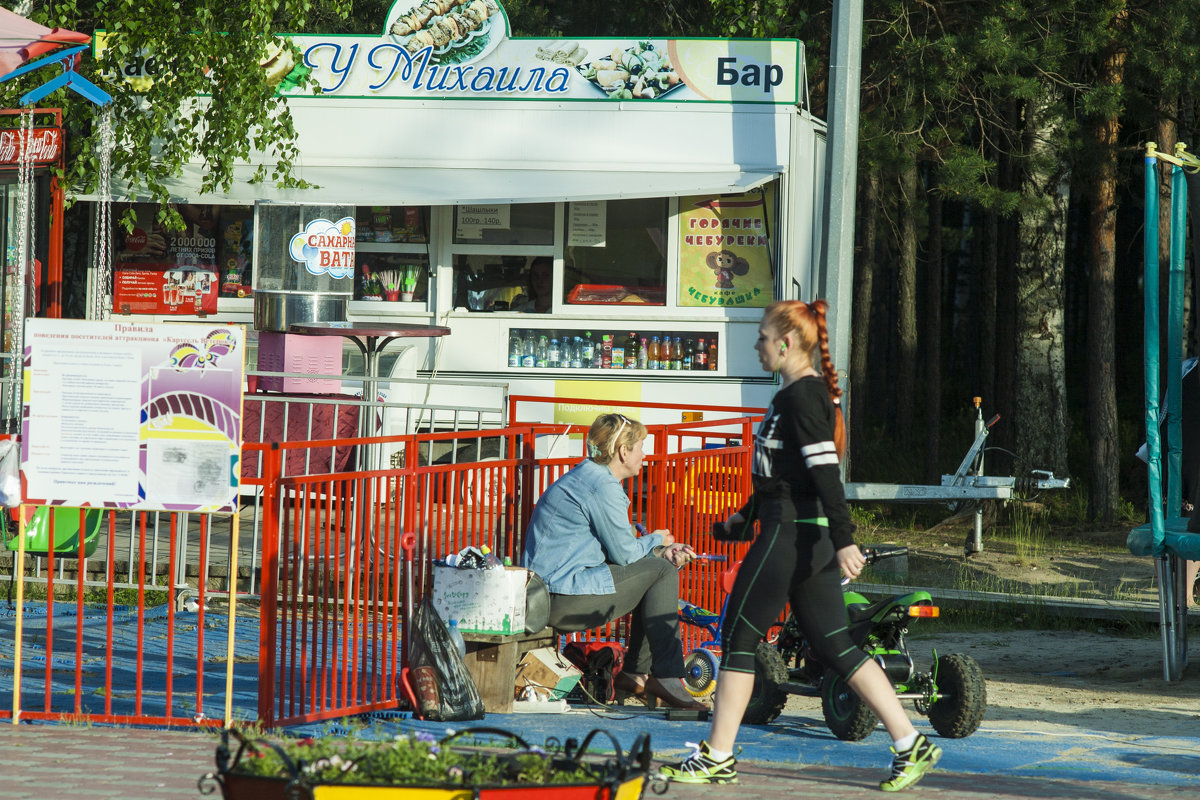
392, 152
439, 186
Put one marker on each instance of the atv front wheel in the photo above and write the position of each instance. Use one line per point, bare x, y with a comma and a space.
767, 700
700, 672
962, 696
850, 719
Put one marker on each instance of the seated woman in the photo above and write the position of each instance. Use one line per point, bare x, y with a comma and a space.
581, 543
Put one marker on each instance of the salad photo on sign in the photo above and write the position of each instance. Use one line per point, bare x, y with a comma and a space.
455, 31
640, 72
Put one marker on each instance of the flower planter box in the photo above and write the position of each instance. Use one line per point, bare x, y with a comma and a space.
572, 775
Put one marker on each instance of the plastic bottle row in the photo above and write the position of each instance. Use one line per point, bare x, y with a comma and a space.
567, 350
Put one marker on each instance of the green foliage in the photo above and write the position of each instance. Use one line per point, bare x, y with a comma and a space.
407, 759
208, 101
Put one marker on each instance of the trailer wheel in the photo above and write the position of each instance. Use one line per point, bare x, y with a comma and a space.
768, 699
850, 719
962, 696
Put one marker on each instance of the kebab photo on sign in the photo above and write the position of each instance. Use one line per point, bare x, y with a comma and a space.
454, 29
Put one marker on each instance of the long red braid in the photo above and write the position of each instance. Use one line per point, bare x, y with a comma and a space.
808, 321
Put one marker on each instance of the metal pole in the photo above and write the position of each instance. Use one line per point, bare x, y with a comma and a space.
975, 543
841, 173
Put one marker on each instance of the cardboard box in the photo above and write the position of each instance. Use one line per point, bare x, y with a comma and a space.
291, 352
482, 600
545, 668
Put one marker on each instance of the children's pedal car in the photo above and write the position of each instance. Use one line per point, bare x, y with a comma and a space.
67, 532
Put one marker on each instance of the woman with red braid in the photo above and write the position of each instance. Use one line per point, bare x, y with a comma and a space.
805, 544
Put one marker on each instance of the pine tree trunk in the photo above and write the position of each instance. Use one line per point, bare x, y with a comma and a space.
1040, 384
987, 309
932, 329
864, 284
1102, 391
906, 305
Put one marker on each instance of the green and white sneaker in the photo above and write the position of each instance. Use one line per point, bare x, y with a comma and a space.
909, 767
701, 767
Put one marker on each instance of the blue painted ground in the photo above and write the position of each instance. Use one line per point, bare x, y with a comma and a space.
1068, 753
1074, 755
184, 665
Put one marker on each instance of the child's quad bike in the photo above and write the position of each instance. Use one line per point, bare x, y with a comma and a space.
952, 694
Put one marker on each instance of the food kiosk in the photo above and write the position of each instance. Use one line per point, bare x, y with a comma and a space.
599, 218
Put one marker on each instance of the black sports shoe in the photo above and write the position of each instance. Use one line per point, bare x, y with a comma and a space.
700, 767
909, 767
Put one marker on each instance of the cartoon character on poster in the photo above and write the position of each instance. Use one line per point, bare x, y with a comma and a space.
725, 250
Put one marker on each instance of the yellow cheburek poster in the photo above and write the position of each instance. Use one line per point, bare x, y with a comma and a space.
724, 250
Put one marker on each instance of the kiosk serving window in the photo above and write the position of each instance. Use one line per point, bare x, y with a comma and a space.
518, 224
616, 252
392, 253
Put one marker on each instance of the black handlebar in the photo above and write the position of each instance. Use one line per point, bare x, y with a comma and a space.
873, 554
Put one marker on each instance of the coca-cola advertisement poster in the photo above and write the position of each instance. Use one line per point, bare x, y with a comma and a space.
41, 145
158, 270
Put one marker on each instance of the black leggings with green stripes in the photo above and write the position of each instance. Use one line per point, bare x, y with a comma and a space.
792, 560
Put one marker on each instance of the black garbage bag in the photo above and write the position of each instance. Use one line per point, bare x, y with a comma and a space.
444, 688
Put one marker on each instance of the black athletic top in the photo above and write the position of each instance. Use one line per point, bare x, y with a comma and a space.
794, 455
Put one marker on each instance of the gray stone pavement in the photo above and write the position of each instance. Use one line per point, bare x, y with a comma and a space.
53, 762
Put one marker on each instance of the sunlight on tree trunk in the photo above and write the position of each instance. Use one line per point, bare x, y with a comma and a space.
1040, 380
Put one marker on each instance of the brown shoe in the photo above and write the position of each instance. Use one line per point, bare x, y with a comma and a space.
629, 684
673, 693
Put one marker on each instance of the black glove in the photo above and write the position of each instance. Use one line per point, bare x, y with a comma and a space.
737, 533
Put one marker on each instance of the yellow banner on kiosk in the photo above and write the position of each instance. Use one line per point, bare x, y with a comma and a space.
725, 250
604, 398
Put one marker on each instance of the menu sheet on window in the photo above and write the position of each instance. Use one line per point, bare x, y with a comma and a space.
127, 415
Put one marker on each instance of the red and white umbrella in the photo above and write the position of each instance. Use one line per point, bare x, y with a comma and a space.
22, 40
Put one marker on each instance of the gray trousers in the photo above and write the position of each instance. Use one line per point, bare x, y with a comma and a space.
648, 587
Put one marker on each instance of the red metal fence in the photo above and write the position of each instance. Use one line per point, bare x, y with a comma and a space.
335, 582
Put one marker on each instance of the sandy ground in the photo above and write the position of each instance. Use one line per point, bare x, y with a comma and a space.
1066, 680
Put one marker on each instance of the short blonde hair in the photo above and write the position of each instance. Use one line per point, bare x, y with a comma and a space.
611, 431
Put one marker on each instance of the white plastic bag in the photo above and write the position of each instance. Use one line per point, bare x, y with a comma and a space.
10, 473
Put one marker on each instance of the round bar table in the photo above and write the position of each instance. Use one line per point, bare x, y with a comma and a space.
372, 339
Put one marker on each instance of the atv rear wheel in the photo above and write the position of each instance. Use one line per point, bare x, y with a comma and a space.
850, 719
768, 699
962, 696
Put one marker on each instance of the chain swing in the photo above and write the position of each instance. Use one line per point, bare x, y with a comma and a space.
24, 261
102, 223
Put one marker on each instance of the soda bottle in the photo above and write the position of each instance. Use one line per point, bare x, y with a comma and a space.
528, 359
588, 351
654, 353
456, 636
542, 354
712, 354
514, 348
631, 351
554, 354
689, 354
664, 353
700, 361
643, 355
490, 559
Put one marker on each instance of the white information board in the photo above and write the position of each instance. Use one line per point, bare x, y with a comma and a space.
129, 415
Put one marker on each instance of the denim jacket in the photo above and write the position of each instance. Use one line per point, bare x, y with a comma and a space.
579, 526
